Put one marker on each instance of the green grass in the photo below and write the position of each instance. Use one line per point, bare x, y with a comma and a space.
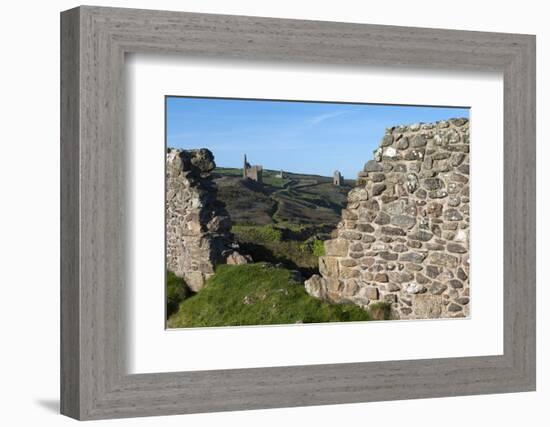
258, 294
258, 233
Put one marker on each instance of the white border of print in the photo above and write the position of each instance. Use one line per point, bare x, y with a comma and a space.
151, 348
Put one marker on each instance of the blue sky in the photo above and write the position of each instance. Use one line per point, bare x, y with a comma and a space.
302, 137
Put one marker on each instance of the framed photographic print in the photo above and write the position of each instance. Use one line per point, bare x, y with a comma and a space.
262, 213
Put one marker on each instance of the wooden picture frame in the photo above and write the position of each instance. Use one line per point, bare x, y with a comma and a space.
94, 382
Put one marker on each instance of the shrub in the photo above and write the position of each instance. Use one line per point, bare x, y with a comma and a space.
380, 311
318, 248
176, 291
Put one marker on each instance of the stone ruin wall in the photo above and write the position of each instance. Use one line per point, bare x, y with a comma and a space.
198, 227
404, 236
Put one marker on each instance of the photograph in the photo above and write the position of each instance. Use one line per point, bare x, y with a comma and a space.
294, 212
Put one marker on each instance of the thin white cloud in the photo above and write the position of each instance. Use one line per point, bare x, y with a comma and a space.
322, 117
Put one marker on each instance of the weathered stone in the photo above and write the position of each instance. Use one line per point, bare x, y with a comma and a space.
421, 193
464, 168
432, 183
428, 162
457, 159
463, 300
316, 286
452, 215
388, 256
392, 231
336, 247
456, 284
328, 266
441, 155
358, 194
461, 274
433, 271
437, 194
345, 272
372, 293
368, 261
403, 143
389, 153
452, 307
350, 235
355, 246
415, 288
433, 246
443, 259
412, 182
414, 244
236, 258
403, 221
349, 215
461, 236
399, 248
416, 257
390, 298
367, 238
378, 189
414, 155
348, 262
456, 248
387, 140
393, 287
437, 288
421, 279
381, 277
434, 209
453, 201
459, 121
365, 227
373, 166
378, 177
382, 218
427, 306
421, 235
418, 141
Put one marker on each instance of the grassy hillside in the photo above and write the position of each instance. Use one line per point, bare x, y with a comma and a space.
260, 294
283, 220
294, 199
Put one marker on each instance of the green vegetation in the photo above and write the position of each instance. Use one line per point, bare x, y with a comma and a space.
318, 248
176, 292
259, 233
296, 248
380, 311
258, 294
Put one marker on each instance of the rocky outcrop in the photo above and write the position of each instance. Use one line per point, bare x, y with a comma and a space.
197, 225
404, 236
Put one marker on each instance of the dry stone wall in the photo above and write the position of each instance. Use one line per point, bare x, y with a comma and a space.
404, 236
197, 224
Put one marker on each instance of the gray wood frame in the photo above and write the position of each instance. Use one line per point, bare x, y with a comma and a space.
94, 383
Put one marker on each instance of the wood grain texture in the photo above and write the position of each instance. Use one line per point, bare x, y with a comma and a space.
94, 177
70, 297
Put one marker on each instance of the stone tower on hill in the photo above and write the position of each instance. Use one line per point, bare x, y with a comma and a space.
338, 178
253, 172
